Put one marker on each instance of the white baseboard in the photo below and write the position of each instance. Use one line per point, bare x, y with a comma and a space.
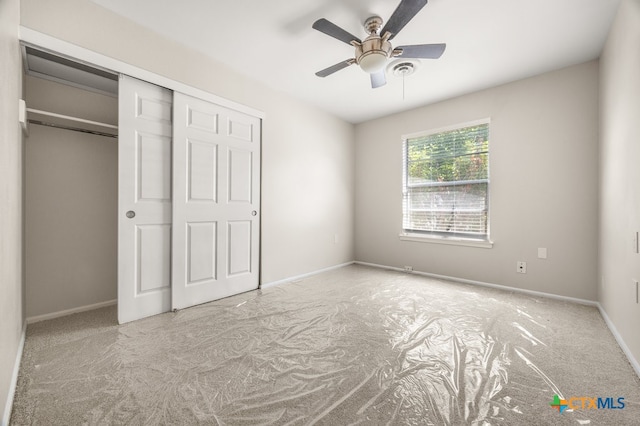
309, 274
52, 315
490, 285
632, 360
8, 406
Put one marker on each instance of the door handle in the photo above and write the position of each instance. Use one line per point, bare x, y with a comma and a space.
254, 213
131, 214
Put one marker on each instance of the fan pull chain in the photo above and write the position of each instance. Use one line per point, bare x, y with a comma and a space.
403, 69
403, 77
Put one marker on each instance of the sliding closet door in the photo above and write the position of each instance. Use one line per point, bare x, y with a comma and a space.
144, 200
216, 184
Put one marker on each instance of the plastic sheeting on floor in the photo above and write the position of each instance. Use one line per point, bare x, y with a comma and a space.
351, 346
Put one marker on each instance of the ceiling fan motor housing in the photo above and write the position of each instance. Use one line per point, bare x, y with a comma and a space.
372, 53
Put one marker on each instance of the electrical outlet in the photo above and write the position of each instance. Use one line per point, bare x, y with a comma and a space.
521, 267
408, 268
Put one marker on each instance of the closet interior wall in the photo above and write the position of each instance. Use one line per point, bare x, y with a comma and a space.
71, 195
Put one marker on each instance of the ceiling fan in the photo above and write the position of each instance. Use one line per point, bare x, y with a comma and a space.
372, 53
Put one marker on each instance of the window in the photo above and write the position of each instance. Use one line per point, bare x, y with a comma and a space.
446, 182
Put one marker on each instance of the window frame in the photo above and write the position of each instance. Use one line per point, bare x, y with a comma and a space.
439, 237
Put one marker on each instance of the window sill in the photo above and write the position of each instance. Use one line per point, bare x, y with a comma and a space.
468, 242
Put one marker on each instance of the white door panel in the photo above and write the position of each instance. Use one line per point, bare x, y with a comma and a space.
240, 175
202, 176
154, 167
154, 249
241, 127
201, 252
144, 191
239, 247
216, 164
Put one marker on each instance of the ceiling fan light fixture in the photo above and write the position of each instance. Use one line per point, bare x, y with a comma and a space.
372, 61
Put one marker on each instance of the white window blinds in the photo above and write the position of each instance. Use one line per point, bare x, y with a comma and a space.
446, 182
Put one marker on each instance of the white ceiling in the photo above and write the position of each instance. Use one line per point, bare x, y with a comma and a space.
489, 42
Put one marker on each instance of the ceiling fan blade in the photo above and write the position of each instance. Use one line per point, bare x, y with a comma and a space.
334, 68
405, 11
378, 79
422, 51
331, 29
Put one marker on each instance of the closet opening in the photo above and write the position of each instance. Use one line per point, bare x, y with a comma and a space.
70, 185
112, 215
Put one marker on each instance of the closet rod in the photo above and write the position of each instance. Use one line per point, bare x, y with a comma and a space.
75, 129
68, 117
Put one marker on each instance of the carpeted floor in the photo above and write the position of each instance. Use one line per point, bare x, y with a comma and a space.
356, 345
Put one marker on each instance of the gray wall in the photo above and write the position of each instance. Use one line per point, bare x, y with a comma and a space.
71, 199
11, 289
620, 174
307, 157
543, 193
